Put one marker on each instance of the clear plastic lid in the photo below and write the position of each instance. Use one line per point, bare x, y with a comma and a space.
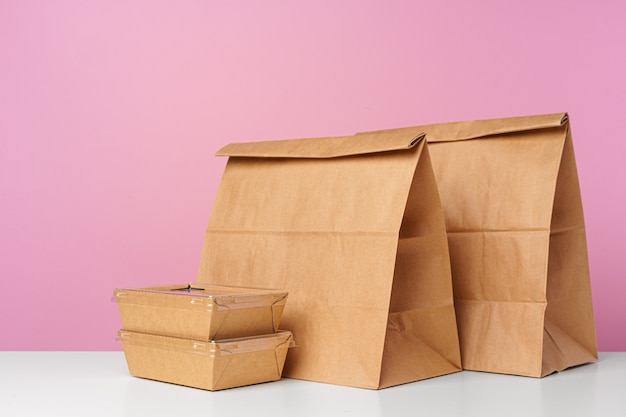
281, 339
202, 296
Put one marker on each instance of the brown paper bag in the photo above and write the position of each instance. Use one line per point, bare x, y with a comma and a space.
352, 227
513, 210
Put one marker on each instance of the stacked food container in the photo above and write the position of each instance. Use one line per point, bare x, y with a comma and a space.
204, 336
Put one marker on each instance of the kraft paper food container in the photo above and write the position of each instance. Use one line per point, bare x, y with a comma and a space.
201, 311
212, 365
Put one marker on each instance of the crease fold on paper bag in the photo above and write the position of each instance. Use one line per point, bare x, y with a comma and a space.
331, 147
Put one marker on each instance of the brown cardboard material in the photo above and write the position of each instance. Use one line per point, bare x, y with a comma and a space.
510, 194
201, 311
353, 228
212, 365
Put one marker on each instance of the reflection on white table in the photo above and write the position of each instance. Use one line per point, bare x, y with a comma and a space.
91, 384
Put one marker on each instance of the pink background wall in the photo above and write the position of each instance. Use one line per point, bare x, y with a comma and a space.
111, 111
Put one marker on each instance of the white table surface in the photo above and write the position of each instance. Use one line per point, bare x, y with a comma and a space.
91, 384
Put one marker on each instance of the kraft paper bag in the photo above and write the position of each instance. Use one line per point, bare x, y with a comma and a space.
353, 228
511, 198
